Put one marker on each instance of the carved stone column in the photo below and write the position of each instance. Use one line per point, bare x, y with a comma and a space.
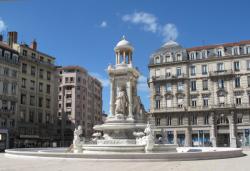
130, 99
232, 130
112, 90
212, 130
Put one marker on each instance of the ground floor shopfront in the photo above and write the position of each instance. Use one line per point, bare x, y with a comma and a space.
201, 137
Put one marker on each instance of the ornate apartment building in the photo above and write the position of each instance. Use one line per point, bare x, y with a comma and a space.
35, 122
200, 96
9, 70
79, 102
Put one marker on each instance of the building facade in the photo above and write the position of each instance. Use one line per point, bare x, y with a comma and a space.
200, 96
37, 101
79, 102
9, 71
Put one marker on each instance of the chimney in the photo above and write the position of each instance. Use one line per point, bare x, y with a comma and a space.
1, 37
12, 37
33, 45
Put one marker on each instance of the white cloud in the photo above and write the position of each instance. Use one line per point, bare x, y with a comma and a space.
103, 24
169, 32
2, 25
104, 81
150, 23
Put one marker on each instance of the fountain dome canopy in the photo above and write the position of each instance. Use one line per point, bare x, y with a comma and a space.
124, 44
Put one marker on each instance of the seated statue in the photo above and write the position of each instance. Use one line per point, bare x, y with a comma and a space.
121, 102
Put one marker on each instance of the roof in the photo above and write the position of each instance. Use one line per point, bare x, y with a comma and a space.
72, 67
198, 48
124, 44
27, 46
6, 46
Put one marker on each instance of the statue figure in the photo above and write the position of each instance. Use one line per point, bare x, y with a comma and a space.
149, 138
77, 140
121, 102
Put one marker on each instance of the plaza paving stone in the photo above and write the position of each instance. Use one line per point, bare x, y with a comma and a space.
10, 163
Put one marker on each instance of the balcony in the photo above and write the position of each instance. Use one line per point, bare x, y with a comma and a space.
221, 73
168, 77
170, 109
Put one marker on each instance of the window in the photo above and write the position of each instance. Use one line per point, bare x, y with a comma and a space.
23, 99
24, 68
192, 56
238, 100
32, 100
193, 85
68, 96
178, 71
206, 120
13, 88
71, 79
236, 65
24, 52
221, 84
33, 55
4, 105
31, 116
168, 87
157, 88
23, 83
248, 81
47, 117
168, 72
221, 100
205, 102
68, 104
204, 69
193, 70
220, 67
32, 84
40, 102
41, 73
48, 75
247, 49
168, 58
178, 57
180, 86
194, 120
203, 54
220, 52
40, 87
6, 71
14, 73
157, 121
193, 102
157, 60
169, 119
5, 87
235, 51
157, 104
180, 120
169, 103
66, 79
40, 117
237, 82
48, 89
41, 58
239, 118
47, 103
33, 71
205, 84
180, 102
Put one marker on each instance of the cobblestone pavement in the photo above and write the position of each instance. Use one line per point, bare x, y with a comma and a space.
10, 163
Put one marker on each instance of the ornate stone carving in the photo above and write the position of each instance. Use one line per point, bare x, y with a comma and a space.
121, 102
77, 143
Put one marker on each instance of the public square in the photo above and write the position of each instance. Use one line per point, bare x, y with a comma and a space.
11, 163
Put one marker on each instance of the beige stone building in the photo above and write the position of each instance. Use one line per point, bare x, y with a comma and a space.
79, 102
9, 71
35, 122
200, 96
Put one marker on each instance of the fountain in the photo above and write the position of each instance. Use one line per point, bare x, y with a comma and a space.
126, 133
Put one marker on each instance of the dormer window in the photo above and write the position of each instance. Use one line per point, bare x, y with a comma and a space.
235, 50
247, 49
203, 54
168, 58
178, 57
192, 55
157, 60
220, 52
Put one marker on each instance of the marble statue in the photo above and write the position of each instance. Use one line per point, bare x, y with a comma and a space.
149, 138
77, 140
121, 102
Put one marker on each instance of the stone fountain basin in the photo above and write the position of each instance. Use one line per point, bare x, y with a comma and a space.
119, 126
201, 153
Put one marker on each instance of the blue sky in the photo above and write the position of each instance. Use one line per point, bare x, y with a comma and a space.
85, 32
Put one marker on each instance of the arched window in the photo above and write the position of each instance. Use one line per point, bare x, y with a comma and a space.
157, 60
